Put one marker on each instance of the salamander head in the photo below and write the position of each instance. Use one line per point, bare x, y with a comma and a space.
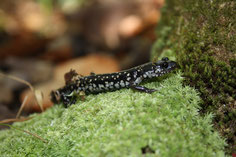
164, 66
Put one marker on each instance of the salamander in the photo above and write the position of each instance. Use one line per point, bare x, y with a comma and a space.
94, 84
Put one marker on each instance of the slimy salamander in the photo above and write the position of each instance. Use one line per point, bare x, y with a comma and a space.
130, 78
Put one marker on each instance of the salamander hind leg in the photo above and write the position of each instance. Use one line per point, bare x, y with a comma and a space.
142, 89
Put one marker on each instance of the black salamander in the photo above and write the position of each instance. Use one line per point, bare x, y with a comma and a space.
130, 78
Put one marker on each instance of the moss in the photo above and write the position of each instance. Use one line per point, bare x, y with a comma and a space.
202, 34
121, 123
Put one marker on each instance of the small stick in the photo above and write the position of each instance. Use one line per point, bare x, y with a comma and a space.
18, 79
15, 120
21, 107
37, 136
28, 84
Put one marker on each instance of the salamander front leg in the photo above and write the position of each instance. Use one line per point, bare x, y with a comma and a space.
143, 89
67, 101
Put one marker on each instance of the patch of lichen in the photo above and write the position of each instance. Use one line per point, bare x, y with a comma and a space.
203, 35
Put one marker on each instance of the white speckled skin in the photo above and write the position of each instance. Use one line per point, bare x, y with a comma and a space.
130, 78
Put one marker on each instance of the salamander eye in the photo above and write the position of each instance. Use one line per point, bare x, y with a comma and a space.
165, 59
165, 65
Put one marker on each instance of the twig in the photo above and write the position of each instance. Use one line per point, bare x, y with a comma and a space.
26, 83
37, 136
18, 79
21, 107
15, 120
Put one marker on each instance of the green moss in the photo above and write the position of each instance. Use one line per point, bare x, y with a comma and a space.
202, 34
121, 123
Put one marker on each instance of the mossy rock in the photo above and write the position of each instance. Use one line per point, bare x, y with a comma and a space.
202, 35
120, 123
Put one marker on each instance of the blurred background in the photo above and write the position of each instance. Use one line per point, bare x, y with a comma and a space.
41, 40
